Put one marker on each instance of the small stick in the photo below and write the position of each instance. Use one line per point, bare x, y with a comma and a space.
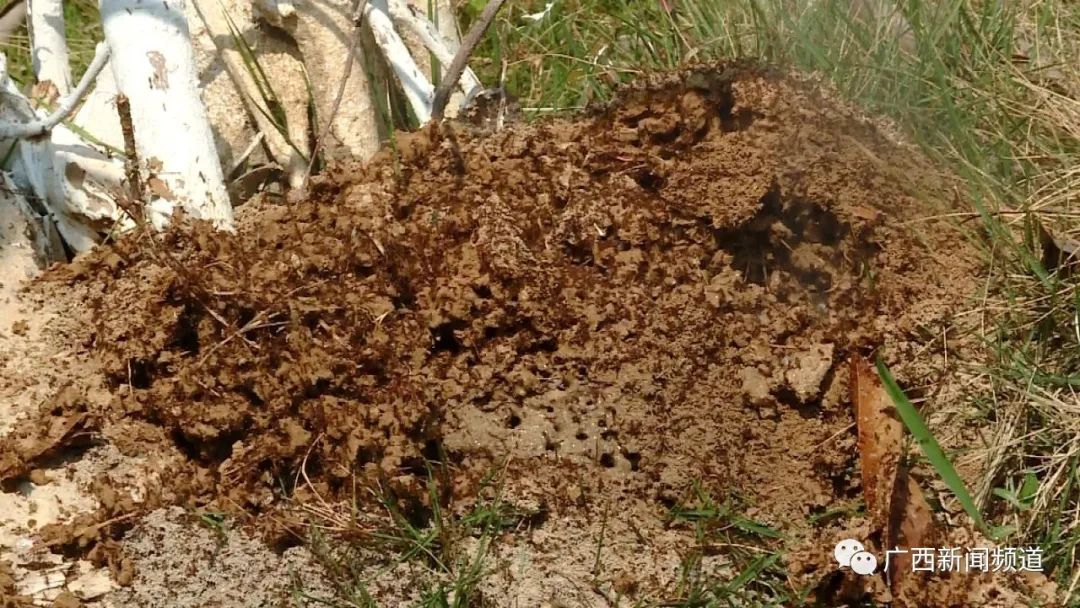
457, 66
255, 141
134, 205
131, 164
131, 157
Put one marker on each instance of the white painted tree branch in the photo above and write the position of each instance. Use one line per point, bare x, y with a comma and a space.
154, 66
75, 182
461, 58
36, 128
443, 49
443, 13
418, 90
48, 43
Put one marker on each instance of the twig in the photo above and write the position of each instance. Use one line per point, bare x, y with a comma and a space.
354, 40
95, 527
132, 205
255, 141
457, 66
131, 157
37, 128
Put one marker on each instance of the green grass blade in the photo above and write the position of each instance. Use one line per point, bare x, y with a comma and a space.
929, 445
754, 528
752, 571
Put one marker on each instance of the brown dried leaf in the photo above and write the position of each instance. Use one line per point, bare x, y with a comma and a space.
880, 435
160, 189
894, 500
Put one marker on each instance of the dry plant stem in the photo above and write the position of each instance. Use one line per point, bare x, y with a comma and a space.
354, 40
133, 206
255, 141
131, 159
457, 67
67, 105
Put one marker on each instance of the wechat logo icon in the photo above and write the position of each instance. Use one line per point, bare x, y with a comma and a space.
852, 554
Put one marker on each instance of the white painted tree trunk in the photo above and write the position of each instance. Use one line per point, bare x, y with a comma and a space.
154, 66
434, 38
49, 49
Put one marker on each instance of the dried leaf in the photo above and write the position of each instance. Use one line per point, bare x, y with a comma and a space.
880, 435
895, 500
160, 189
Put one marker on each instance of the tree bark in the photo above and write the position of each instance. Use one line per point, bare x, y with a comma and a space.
154, 66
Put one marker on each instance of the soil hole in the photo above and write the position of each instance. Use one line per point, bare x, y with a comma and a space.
433, 451
212, 452
766, 243
807, 409
140, 374
444, 337
186, 335
649, 180
737, 121
284, 542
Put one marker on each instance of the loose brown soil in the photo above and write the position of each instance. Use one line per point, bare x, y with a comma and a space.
606, 309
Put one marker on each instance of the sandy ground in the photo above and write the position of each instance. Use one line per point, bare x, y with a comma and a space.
35, 363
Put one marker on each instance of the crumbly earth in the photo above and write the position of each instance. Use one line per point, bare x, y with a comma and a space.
607, 310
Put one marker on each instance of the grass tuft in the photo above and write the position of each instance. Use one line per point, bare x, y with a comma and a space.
750, 571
